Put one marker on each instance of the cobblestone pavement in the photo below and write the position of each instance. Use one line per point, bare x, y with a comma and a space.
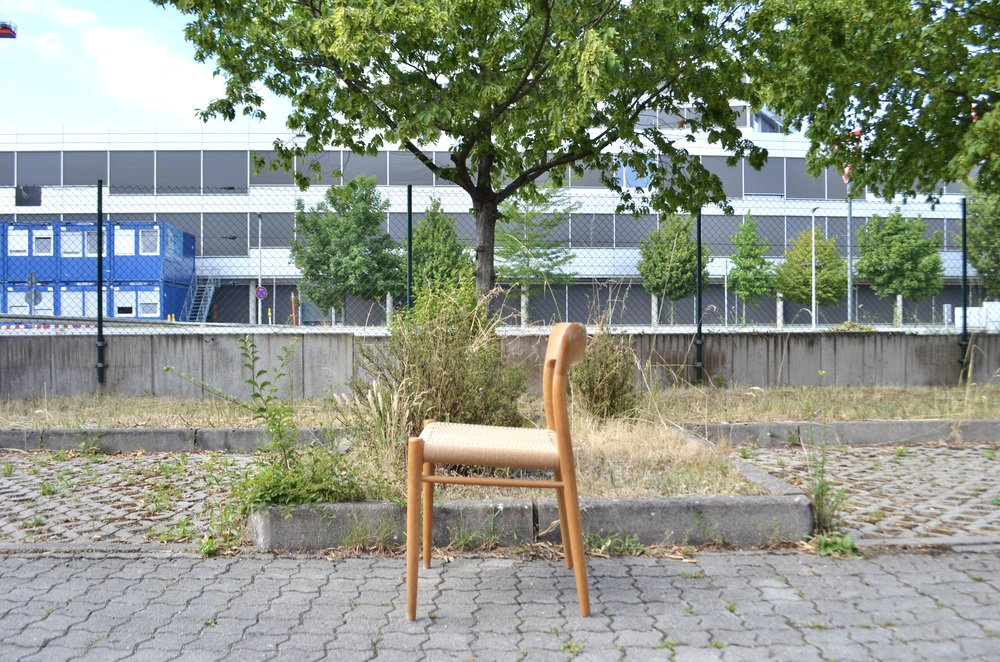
727, 606
75, 498
923, 491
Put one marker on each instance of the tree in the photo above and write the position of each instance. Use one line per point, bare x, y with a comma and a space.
343, 247
528, 257
898, 260
439, 257
793, 278
984, 240
752, 276
918, 79
668, 261
519, 90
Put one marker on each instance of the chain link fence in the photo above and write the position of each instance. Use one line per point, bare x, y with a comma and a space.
212, 252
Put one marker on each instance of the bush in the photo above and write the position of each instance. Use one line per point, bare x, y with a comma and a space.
604, 381
443, 360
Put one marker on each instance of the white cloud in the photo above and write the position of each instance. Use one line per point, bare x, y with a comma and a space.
71, 17
49, 43
133, 68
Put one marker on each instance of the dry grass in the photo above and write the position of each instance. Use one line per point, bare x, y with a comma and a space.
628, 459
85, 412
688, 404
691, 404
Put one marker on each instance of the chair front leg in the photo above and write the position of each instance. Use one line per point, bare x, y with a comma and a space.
414, 462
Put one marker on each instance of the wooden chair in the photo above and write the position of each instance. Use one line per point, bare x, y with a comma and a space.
494, 446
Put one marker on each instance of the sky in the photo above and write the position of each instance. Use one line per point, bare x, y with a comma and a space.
108, 65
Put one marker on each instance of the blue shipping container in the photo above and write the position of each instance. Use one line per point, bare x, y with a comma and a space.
78, 252
155, 300
31, 252
80, 300
153, 251
25, 300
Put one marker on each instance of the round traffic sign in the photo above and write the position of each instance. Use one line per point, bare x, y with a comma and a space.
260, 292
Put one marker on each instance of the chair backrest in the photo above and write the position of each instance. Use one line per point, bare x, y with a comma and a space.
567, 344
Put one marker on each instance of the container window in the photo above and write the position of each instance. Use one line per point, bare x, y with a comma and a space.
17, 242
90, 244
124, 241
149, 241
42, 242
72, 244
149, 304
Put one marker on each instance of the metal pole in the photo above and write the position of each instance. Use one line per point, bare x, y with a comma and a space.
850, 256
813, 268
100, 282
698, 358
964, 342
260, 237
409, 245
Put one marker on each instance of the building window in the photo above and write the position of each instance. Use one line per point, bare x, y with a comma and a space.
17, 242
124, 241
149, 241
42, 242
72, 244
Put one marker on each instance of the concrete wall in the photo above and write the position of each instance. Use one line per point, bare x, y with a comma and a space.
323, 363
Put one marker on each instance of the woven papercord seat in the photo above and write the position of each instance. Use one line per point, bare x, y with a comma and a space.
487, 446
494, 446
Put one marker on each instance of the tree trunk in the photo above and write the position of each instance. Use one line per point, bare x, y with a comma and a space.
487, 213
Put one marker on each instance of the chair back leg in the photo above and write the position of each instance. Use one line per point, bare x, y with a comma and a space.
428, 513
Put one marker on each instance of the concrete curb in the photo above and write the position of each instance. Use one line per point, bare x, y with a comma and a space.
783, 515
766, 435
854, 433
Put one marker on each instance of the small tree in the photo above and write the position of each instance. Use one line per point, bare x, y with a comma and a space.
439, 258
793, 278
527, 256
668, 261
343, 247
898, 260
752, 276
984, 240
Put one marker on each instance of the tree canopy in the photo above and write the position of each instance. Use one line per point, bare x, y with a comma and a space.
440, 259
529, 257
668, 261
513, 90
793, 277
984, 240
896, 257
903, 91
342, 247
752, 276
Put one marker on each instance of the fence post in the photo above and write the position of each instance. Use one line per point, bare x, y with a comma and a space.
698, 358
100, 283
964, 342
409, 246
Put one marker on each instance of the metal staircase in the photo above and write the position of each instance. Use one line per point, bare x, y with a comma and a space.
201, 300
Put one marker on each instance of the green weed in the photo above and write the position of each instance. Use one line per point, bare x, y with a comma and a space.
571, 647
838, 545
614, 544
33, 521
7, 470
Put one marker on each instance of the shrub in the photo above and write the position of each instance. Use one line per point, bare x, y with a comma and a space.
443, 361
604, 381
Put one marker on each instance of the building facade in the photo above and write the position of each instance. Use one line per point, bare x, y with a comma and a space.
241, 223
